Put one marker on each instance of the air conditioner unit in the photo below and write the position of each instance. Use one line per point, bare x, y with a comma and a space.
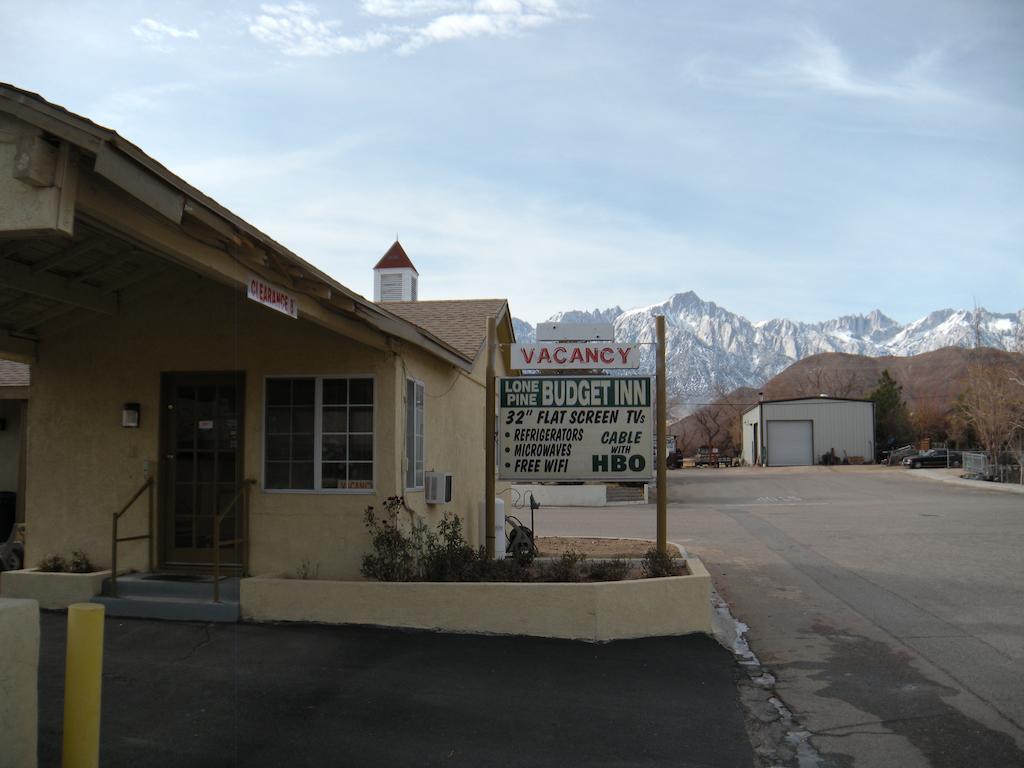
438, 487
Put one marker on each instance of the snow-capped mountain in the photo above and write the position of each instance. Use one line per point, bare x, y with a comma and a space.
712, 349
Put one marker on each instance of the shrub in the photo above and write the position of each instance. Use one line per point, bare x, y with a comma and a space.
447, 556
566, 568
53, 564
393, 558
80, 563
508, 569
609, 570
657, 564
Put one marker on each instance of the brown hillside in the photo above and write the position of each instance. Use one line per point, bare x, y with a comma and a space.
932, 380
931, 383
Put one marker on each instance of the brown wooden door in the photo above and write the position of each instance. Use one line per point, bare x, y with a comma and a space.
201, 467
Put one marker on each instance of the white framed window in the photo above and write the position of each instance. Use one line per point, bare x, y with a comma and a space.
319, 434
415, 401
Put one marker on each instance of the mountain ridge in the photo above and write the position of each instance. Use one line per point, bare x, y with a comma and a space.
711, 349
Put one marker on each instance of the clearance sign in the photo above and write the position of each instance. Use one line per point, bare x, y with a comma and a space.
269, 295
569, 356
575, 428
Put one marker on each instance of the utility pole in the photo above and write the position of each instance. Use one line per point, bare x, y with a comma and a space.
492, 335
661, 437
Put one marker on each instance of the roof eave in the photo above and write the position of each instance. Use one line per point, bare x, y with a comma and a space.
92, 137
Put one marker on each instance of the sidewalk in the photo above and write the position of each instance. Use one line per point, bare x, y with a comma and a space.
953, 476
188, 694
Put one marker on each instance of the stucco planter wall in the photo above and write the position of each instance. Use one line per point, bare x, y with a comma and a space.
52, 590
591, 611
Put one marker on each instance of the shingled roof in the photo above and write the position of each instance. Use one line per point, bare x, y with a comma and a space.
396, 258
461, 324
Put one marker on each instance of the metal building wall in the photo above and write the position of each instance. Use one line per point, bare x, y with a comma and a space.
846, 426
750, 418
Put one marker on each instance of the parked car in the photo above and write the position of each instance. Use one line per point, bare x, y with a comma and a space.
937, 457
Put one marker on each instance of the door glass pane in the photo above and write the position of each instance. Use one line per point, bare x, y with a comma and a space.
184, 467
205, 467
226, 467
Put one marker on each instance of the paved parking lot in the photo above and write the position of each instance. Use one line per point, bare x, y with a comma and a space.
184, 694
889, 606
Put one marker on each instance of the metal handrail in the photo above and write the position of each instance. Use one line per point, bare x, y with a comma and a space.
115, 540
218, 544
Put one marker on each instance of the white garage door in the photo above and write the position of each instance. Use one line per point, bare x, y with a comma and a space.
789, 444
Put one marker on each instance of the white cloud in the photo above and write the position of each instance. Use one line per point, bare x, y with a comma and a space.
497, 18
402, 9
820, 64
153, 31
296, 31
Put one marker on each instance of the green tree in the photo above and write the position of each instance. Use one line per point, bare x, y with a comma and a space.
892, 419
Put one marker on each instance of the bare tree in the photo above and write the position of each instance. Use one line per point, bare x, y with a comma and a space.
992, 406
827, 380
708, 423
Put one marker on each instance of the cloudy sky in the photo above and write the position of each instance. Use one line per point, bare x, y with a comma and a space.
781, 158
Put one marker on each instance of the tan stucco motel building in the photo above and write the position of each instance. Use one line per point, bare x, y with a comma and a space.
170, 339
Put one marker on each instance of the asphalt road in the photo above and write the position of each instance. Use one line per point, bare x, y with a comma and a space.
187, 694
889, 607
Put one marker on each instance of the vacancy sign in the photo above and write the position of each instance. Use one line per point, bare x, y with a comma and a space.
269, 295
575, 428
573, 356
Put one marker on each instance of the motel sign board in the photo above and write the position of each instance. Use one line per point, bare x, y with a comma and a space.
574, 356
575, 428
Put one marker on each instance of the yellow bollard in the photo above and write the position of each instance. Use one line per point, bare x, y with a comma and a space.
83, 676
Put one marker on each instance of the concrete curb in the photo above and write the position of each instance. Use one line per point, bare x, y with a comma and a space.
938, 475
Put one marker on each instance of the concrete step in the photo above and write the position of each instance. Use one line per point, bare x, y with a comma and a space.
171, 596
168, 585
170, 608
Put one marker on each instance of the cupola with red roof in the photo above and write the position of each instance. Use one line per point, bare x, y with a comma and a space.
395, 278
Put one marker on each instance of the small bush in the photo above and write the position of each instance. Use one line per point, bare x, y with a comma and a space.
446, 555
567, 568
657, 564
508, 569
80, 563
307, 569
53, 564
609, 570
393, 558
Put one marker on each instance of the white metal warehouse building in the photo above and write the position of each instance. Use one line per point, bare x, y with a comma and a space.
800, 431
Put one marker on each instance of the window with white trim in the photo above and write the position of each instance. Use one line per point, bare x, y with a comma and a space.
318, 434
415, 397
